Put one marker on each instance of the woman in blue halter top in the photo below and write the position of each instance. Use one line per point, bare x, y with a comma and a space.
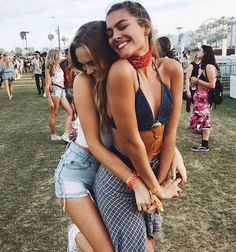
144, 97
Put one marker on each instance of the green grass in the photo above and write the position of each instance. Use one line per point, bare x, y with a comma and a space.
202, 219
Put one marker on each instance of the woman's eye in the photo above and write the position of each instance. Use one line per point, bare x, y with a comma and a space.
122, 27
109, 34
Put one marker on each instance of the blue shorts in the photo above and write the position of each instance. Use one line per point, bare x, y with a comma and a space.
75, 173
58, 91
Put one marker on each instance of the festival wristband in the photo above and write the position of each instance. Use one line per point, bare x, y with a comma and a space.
130, 181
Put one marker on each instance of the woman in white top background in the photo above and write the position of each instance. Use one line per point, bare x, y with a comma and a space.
8, 75
54, 85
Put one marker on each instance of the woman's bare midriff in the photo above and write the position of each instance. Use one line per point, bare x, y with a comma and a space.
148, 139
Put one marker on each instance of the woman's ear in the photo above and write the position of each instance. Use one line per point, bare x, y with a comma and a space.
147, 28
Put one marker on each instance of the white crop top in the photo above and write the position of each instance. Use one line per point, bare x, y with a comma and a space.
80, 139
58, 77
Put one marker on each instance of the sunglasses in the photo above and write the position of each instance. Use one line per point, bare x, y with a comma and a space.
157, 129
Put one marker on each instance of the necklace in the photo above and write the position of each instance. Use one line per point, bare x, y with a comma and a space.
140, 61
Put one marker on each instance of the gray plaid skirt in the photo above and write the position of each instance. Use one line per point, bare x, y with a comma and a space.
128, 228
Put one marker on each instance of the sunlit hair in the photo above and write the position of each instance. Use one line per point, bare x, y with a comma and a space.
52, 60
92, 37
7, 61
208, 57
135, 9
164, 47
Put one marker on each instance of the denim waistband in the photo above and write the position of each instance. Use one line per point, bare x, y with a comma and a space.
72, 146
58, 86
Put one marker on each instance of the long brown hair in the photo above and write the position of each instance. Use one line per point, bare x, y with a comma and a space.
92, 37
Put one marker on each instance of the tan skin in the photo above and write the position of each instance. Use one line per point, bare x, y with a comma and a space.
128, 38
55, 102
78, 209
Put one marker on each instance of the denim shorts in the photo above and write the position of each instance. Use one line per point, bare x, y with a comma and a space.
75, 173
58, 92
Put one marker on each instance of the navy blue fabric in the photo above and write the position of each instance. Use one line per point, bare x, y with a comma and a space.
143, 111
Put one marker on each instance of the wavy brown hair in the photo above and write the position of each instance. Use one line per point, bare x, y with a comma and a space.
92, 37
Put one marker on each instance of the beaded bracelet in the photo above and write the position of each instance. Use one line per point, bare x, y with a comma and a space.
157, 201
155, 189
130, 181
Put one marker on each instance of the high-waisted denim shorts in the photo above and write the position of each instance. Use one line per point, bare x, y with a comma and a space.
75, 173
58, 91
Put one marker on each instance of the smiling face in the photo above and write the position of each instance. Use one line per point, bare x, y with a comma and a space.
87, 61
126, 36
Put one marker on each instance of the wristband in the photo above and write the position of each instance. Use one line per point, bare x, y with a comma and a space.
155, 189
130, 181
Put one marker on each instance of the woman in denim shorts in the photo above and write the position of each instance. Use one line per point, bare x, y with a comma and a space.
55, 90
75, 174
8, 75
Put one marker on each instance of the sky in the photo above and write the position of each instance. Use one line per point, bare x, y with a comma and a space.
42, 17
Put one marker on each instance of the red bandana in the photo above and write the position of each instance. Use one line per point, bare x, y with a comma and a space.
140, 61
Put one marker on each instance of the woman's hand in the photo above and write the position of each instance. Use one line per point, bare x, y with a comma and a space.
178, 169
188, 94
51, 105
142, 196
169, 189
194, 79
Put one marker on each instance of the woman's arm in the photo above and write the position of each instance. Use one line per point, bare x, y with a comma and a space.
169, 138
85, 107
187, 82
178, 168
48, 83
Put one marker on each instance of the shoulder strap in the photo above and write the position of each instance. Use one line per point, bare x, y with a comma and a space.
156, 69
137, 73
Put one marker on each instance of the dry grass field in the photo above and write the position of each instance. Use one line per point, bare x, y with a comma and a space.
203, 219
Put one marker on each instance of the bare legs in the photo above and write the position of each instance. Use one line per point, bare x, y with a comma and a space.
53, 113
86, 217
66, 105
9, 88
205, 135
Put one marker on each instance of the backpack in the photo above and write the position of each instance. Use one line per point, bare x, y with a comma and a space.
215, 95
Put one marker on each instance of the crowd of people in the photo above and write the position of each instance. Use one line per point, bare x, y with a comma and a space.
122, 93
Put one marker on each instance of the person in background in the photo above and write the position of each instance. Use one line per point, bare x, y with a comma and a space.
55, 90
164, 47
174, 54
8, 74
1, 65
69, 75
37, 71
191, 71
43, 56
206, 79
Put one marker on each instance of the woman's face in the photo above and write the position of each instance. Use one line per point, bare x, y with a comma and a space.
200, 54
86, 60
125, 35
